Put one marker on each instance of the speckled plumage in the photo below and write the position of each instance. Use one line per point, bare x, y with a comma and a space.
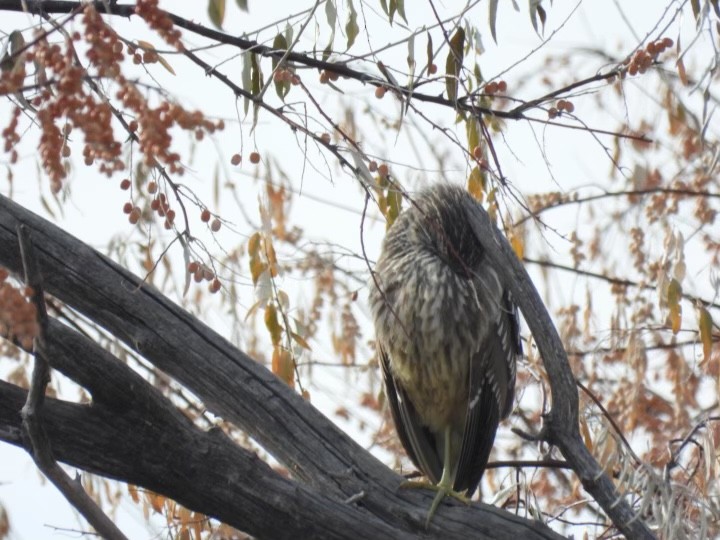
447, 335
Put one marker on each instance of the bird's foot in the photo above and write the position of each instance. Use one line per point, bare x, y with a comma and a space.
443, 490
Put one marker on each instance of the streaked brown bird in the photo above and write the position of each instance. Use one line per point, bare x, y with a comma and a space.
448, 339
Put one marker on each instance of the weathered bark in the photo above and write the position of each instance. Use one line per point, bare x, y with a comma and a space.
132, 433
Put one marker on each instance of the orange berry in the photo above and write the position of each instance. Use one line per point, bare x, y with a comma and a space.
569, 107
236, 159
205, 215
552, 112
193, 267
214, 286
155, 205
254, 158
66, 151
325, 137
432, 69
125, 184
170, 216
127, 208
372, 166
477, 152
324, 77
152, 187
215, 225
667, 42
491, 88
383, 170
502, 86
380, 92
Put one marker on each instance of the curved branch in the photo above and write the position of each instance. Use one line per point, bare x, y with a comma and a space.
561, 423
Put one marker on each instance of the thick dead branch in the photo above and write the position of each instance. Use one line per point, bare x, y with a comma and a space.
330, 465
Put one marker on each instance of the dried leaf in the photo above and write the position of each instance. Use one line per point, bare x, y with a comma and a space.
705, 324
283, 365
674, 298
272, 323
476, 184
300, 341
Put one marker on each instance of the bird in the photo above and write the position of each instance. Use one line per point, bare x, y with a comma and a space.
447, 336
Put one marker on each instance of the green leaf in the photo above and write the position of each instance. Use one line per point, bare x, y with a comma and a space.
216, 12
453, 64
242, 4
695, 4
394, 205
716, 7
247, 79
537, 11
331, 14
351, 27
282, 88
429, 51
473, 134
492, 18
401, 9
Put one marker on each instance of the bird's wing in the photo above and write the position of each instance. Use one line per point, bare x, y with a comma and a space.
492, 381
418, 441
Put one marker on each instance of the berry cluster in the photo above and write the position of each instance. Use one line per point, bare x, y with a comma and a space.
159, 21
65, 101
202, 272
17, 316
327, 76
641, 61
495, 87
285, 75
560, 106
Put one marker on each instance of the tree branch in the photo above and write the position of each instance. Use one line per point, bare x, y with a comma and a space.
561, 423
231, 385
32, 412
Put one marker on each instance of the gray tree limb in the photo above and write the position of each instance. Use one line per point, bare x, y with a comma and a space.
325, 462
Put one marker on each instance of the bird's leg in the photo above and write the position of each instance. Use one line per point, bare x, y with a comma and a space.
444, 487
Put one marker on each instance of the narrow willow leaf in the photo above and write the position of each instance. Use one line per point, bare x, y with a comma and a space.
351, 27
216, 12
281, 87
401, 9
705, 324
429, 50
247, 79
453, 64
492, 18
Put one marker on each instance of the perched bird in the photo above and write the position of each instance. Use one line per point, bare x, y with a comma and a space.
447, 336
